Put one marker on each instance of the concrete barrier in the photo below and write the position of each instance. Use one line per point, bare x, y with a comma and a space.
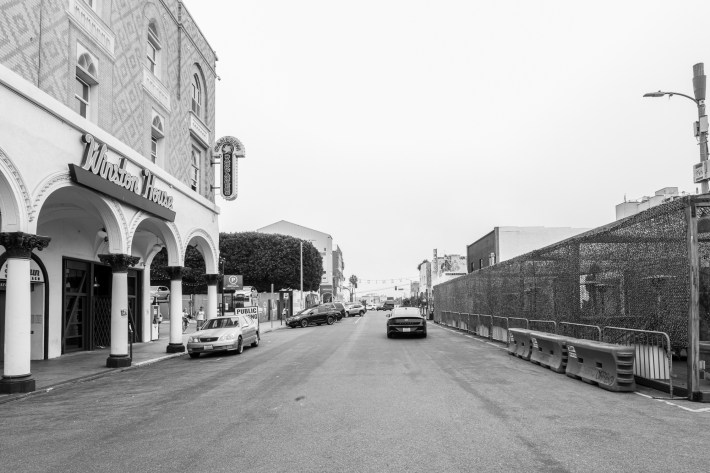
549, 351
520, 344
609, 366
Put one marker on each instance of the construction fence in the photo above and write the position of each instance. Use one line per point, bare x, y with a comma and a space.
649, 272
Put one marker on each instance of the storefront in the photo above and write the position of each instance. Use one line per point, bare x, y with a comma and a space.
82, 216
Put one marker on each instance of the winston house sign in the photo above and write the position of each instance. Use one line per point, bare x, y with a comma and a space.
229, 149
114, 180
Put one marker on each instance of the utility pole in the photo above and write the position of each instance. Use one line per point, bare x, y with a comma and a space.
699, 81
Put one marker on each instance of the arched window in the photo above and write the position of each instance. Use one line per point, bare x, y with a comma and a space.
153, 50
85, 84
157, 133
196, 95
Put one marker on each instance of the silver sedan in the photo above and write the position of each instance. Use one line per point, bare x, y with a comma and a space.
224, 334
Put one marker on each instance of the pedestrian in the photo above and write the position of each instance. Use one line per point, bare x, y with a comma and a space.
200, 317
185, 321
284, 313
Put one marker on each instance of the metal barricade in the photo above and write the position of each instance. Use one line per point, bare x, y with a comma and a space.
499, 328
543, 326
654, 359
518, 322
485, 323
583, 331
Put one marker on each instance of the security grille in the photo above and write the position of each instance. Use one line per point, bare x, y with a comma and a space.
102, 322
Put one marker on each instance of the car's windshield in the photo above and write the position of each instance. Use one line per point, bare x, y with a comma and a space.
305, 311
221, 322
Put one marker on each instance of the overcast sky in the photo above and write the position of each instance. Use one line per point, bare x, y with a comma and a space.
400, 126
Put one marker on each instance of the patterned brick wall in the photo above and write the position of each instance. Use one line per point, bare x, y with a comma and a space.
124, 105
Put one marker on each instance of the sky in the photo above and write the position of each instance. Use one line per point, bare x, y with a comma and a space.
403, 126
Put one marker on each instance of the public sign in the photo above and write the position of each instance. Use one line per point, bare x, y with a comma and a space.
229, 149
252, 312
234, 282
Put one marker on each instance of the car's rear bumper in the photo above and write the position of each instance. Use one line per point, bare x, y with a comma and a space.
406, 329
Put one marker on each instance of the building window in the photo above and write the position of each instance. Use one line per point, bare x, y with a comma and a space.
82, 97
85, 84
196, 95
153, 50
157, 134
195, 174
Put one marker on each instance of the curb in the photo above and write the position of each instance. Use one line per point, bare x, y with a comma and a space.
106, 372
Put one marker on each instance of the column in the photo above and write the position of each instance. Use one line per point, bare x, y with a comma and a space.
119, 357
212, 281
175, 345
17, 377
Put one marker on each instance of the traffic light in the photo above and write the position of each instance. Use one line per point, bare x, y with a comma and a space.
395, 288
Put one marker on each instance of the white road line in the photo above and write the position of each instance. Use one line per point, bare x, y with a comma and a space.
358, 320
665, 401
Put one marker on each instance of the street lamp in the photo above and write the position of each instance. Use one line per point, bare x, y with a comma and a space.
702, 173
221, 262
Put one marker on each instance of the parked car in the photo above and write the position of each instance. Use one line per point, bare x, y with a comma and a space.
356, 309
406, 321
159, 294
388, 305
224, 334
339, 306
313, 316
371, 307
381, 307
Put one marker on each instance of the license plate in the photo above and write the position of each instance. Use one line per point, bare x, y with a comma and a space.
207, 347
406, 329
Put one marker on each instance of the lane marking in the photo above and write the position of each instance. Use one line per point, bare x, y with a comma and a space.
670, 403
358, 320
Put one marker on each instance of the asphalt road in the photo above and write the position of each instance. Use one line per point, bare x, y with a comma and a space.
345, 398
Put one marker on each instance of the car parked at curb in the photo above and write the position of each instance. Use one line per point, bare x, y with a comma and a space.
355, 309
406, 321
339, 306
224, 334
159, 294
313, 316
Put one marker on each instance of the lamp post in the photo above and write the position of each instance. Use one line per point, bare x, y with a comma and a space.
221, 261
301, 308
701, 126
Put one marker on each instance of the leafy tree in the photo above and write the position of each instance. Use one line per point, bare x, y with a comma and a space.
353, 281
264, 259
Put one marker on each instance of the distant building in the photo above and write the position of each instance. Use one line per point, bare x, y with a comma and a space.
447, 267
632, 207
338, 273
504, 243
424, 279
322, 241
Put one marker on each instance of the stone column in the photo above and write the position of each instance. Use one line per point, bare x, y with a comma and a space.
119, 263
17, 377
212, 281
175, 345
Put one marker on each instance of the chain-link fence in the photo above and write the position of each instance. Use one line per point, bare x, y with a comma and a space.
633, 273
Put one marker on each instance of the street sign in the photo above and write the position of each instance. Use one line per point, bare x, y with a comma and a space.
252, 312
701, 171
233, 282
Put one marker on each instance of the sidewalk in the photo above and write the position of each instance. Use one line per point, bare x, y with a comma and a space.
81, 366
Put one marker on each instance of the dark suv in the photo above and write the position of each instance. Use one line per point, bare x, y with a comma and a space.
337, 306
388, 305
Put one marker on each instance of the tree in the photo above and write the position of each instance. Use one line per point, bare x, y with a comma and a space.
353, 281
264, 259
